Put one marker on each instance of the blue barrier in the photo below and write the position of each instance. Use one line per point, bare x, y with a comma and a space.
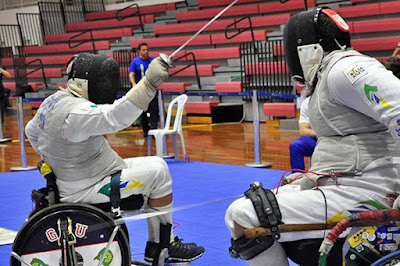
244, 93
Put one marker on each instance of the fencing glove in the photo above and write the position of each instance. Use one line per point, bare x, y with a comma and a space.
143, 92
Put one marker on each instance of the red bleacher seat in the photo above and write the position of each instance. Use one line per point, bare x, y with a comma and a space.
375, 44
208, 3
359, 1
49, 72
269, 20
358, 11
107, 24
232, 86
7, 62
267, 68
46, 60
13, 87
212, 12
259, 35
203, 70
216, 53
381, 8
174, 86
172, 41
200, 107
36, 104
256, 22
375, 25
205, 54
97, 35
280, 109
153, 9
191, 27
64, 48
268, 8
391, 7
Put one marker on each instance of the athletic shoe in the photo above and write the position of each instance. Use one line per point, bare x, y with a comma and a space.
178, 251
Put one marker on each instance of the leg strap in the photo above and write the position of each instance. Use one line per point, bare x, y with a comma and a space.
249, 248
266, 206
115, 194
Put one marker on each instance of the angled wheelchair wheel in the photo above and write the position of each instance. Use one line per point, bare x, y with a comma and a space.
389, 260
38, 239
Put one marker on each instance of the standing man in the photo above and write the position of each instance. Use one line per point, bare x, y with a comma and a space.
305, 145
137, 70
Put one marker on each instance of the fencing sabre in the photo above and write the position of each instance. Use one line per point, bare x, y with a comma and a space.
168, 59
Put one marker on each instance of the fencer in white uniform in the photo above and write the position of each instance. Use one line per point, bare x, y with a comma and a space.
68, 130
355, 111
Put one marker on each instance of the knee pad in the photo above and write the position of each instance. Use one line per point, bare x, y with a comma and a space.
249, 248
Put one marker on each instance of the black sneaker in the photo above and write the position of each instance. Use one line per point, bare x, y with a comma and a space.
178, 251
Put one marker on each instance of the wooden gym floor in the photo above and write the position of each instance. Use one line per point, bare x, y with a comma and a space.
231, 143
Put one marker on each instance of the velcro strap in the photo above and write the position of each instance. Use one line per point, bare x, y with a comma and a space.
266, 207
115, 193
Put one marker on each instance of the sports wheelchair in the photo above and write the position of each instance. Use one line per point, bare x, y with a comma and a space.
71, 234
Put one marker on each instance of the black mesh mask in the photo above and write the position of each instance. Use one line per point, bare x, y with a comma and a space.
309, 27
102, 73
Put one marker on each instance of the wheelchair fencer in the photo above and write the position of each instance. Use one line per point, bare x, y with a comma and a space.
72, 234
373, 236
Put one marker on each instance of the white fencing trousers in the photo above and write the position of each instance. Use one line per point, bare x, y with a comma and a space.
328, 203
148, 176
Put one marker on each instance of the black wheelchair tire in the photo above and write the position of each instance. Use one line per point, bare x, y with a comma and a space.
26, 235
388, 260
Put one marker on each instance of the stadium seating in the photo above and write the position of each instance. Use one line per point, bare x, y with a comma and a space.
64, 48
144, 10
108, 24
97, 35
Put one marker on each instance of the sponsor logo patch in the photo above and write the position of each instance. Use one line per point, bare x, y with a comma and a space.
354, 73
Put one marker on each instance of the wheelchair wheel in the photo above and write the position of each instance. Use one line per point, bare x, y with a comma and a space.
38, 239
388, 260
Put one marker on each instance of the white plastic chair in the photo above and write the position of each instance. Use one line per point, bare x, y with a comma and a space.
176, 130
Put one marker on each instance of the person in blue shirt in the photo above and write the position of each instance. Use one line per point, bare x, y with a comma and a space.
137, 69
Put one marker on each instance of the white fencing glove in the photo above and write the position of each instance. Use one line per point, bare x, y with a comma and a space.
142, 93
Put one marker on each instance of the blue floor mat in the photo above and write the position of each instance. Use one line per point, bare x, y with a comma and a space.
202, 193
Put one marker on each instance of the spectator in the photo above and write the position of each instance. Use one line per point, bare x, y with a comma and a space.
305, 145
137, 70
